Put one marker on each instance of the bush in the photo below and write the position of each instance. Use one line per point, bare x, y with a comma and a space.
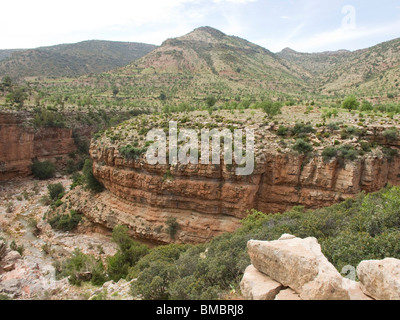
55, 190
333, 126
172, 227
66, 222
89, 180
329, 153
43, 170
302, 146
211, 101
391, 135
80, 268
351, 103
129, 253
367, 227
282, 131
131, 153
301, 130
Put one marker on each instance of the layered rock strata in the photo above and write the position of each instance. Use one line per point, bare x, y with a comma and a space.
20, 145
207, 200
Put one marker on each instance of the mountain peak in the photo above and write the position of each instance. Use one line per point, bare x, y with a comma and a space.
207, 34
288, 50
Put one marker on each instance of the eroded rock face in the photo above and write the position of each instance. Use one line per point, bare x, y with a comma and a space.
279, 182
19, 145
380, 279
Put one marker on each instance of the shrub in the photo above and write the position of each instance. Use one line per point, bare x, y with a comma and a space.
390, 153
282, 131
172, 227
66, 222
301, 130
131, 153
366, 106
43, 170
351, 103
366, 227
302, 146
329, 153
347, 152
80, 268
55, 190
20, 249
129, 253
391, 135
211, 101
89, 180
333, 126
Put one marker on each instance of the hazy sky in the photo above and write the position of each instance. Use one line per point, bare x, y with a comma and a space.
303, 25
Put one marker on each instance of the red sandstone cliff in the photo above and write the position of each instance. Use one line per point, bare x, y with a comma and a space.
207, 200
20, 145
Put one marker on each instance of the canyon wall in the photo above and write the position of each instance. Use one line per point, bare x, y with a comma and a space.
207, 200
21, 144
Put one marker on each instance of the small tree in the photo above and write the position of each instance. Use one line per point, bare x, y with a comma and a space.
7, 81
351, 103
18, 96
271, 108
211, 101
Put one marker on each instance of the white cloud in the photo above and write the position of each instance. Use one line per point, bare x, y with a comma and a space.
333, 39
33, 22
235, 1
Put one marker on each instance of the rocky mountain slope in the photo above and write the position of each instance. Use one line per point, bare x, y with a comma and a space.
371, 71
71, 60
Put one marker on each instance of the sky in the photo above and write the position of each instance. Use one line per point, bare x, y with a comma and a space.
303, 25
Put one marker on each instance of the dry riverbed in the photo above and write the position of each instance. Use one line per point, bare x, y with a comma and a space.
32, 274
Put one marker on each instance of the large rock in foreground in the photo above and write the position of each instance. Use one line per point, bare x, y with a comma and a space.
257, 286
300, 265
380, 279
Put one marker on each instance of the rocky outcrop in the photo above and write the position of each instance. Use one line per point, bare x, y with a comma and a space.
147, 223
20, 145
214, 195
380, 279
295, 269
257, 286
112, 290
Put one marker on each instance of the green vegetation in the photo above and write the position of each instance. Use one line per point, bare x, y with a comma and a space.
66, 222
367, 227
302, 146
43, 170
391, 135
301, 130
131, 153
271, 108
56, 191
172, 227
15, 247
89, 180
129, 253
80, 268
351, 103
342, 153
